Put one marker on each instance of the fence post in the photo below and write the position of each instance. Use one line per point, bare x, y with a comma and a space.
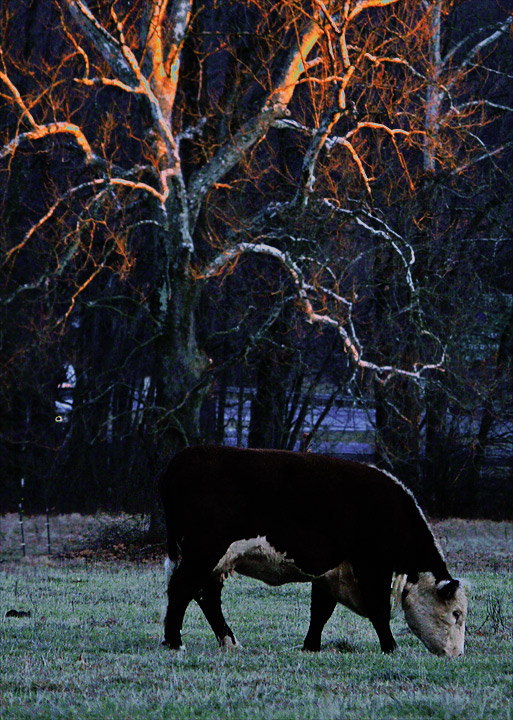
20, 508
48, 532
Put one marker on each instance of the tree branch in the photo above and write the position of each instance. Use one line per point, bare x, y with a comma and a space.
40, 131
350, 342
166, 66
256, 128
502, 28
125, 65
103, 41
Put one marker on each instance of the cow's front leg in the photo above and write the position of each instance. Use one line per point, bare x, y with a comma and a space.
208, 598
375, 585
321, 609
381, 624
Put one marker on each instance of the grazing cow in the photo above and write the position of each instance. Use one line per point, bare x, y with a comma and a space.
280, 517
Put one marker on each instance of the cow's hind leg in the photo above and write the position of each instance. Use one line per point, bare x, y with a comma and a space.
184, 583
190, 574
180, 591
322, 606
208, 598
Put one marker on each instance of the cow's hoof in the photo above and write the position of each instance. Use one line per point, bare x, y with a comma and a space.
175, 648
227, 643
389, 649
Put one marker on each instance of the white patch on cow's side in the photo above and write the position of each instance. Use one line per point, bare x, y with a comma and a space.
256, 558
437, 620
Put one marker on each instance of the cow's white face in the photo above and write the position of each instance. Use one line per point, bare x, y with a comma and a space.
436, 613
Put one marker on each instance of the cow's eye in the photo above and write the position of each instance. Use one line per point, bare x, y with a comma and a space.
457, 614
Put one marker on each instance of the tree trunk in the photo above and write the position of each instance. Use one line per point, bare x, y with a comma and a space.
504, 354
179, 376
437, 462
398, 429
268, 406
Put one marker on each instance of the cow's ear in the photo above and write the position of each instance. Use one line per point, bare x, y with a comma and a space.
447, 589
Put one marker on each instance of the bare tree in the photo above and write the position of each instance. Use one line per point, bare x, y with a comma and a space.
181, 141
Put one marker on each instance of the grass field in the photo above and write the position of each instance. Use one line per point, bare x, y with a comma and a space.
91, 646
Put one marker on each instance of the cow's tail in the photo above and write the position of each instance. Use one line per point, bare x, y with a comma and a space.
169, 568
174, 557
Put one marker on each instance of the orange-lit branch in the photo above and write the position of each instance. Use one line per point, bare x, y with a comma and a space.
345, 142
49, 214
46, 130
274, 108
97, 271
40, 131
128, 73
84, 187
365, 5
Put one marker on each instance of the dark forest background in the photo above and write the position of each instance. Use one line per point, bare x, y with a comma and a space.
268, 207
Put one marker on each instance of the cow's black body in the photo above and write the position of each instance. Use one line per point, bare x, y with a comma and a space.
318, 510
